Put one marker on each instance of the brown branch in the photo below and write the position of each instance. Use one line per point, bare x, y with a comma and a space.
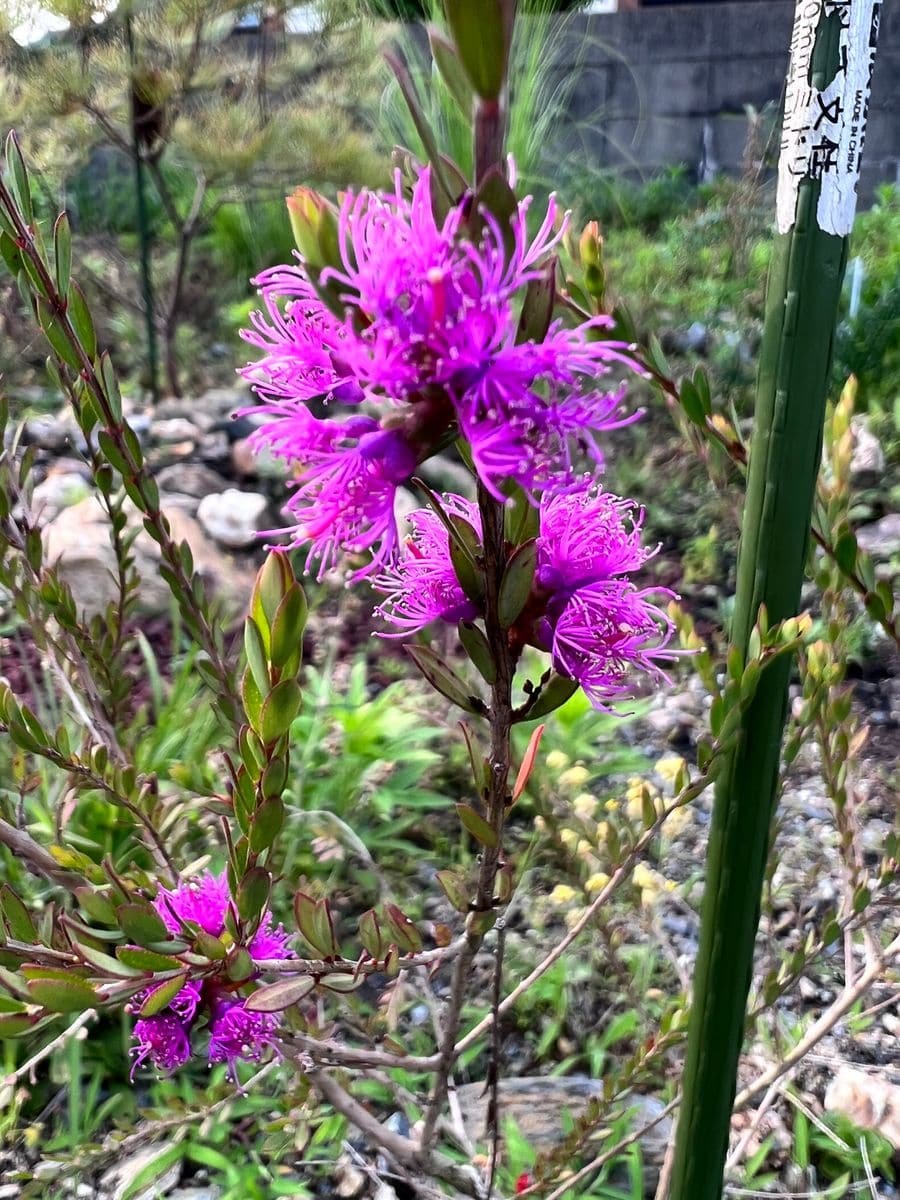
36, 859
405, 1152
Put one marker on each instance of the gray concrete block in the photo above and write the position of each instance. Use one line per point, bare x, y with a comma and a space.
739, 82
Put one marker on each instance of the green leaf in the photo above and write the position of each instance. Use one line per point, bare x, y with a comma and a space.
210, 946
62, 248
147, 960
444, 679
141, 924
474, 642
370, 934
497, 197
515, 586
452, 72
273, 581
549, 697
14, 1024
475, 823
105, 963
255, 650
140, 1183
63, 995
96, 905
454, 888
265, 824
287, 627
81, 321
17, 178
251, 699
690, 401
315, 924
56, 335
20, 925
276, 997
162, 995
279, 709
240, 965
465, 551
401, 929
253, 893
537, 307
481, 32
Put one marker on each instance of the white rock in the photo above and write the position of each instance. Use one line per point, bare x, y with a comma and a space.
121, 1176
867, 461
58, 491
77, 540
870, 1101
233, 518
882, 538
174, 429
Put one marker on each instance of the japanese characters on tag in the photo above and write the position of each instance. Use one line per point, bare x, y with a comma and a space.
824, 130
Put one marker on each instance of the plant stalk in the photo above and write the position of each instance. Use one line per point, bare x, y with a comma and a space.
803, 294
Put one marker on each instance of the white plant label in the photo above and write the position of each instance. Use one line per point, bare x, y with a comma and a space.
823, 133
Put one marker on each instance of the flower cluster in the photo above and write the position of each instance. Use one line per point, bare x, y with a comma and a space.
584, 608
164, 1039
429, 345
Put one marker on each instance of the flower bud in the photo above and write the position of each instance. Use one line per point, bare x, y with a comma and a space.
314, 225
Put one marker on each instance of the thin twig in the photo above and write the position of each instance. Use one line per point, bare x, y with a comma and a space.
402, 1149
60, 1040
607, 1155
36, 859
618, 877
821, 1027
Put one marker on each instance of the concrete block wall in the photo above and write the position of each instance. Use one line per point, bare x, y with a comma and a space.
660, 86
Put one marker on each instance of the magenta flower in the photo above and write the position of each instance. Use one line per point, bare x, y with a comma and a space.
205, 902
584, 609
235, 1033
601, 633
421, 585
184, 1004
430, 339
300, 339
344, 502
162, 1040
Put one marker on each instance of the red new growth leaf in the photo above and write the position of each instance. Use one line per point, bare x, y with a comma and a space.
527, 763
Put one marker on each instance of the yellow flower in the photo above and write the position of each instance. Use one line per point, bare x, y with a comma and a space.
585, 805
569, 838
677, 821
556, 760
645, 877
576, 777
634, 797
584, 848
562, 894
669, 766
602, 832
611, 805
596, 883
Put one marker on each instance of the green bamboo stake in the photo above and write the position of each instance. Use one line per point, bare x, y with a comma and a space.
803, 292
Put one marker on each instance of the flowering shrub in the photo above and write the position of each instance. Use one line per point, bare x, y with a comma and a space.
411, 322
